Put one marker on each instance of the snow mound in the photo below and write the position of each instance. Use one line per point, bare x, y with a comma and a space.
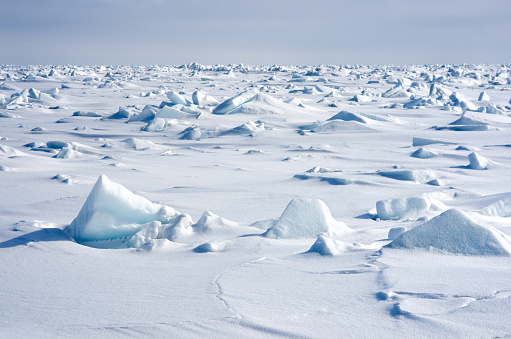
138, 144
181, 227
424, 153
210, 246
67, 153
417, 141
478, 162
455, 232
348, 116
324, 245
406, 207
418, 176
111, 211
249, 127
306, 218
210, 222
8, 152
395, 232
264, 104
230, 105
466, 124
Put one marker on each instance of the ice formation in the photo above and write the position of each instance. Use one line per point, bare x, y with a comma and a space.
177, 98
111, 211
424, 153
306, 218
203, 99
324, 245
454, 231
231, 105
404, 207
478, 162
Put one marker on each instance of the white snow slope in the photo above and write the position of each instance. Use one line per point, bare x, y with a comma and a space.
201, 201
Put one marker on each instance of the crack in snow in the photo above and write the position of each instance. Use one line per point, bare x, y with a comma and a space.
221, 292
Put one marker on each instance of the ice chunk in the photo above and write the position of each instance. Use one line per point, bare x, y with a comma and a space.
121, 114
483, 97
156, 125
458, 99
398, 208
177, 98
306, 218
455, 232
396, 92
418, 176
111, 211
148, 113
361, 98
478, 162
168, 112
203, 99
231, 105
492, 109
146, 233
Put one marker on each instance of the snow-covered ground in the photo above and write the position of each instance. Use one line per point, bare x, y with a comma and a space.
241, 201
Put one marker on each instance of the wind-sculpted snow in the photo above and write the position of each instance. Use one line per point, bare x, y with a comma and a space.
388, 150
406, 207
305, 218
455, 232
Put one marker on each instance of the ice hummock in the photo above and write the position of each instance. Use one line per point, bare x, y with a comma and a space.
454, 231
111, 211
231, 105
306, 218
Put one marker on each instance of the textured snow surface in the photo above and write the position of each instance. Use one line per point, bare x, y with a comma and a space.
242, 201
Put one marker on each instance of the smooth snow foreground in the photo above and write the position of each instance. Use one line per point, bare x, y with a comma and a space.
219, 201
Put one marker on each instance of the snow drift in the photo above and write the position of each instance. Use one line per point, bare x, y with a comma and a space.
306, 218
455, 232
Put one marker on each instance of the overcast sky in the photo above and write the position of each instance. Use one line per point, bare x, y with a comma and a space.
255, 32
